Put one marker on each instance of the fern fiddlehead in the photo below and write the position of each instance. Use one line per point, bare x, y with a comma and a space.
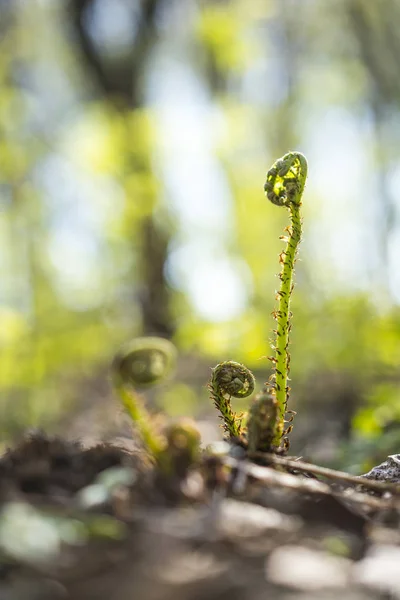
142, 362
284, 187
230, 379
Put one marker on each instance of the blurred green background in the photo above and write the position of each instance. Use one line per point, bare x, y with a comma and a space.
134, 140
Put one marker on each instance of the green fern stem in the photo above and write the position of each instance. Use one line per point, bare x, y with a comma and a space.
283, 317
284, 187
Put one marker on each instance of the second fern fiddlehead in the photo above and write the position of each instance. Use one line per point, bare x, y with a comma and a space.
284, 187
142, 362
230, 379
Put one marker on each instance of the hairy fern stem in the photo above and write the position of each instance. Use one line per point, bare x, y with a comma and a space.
284, 187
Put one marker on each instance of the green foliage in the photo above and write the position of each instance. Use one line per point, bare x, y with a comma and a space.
84, 165
219, 32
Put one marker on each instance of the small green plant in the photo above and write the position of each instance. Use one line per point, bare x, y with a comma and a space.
147, 360
262, 421
284, 187
230, 379
141, 363
266, 423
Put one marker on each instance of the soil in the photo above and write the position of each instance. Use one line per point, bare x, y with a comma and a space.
104, 523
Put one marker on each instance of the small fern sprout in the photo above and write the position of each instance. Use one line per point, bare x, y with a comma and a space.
230, 379
141, 363
284, 187
182, 448
262, 422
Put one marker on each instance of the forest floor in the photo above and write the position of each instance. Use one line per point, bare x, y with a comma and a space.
103, 523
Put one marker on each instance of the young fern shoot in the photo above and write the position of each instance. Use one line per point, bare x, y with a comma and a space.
230, 379
261, 423
141, 363
284, 187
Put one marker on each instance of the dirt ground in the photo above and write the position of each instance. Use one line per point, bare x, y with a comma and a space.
105, 524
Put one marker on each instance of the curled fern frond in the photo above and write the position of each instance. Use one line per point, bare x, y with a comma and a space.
142, 362
230, 379
286, 180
